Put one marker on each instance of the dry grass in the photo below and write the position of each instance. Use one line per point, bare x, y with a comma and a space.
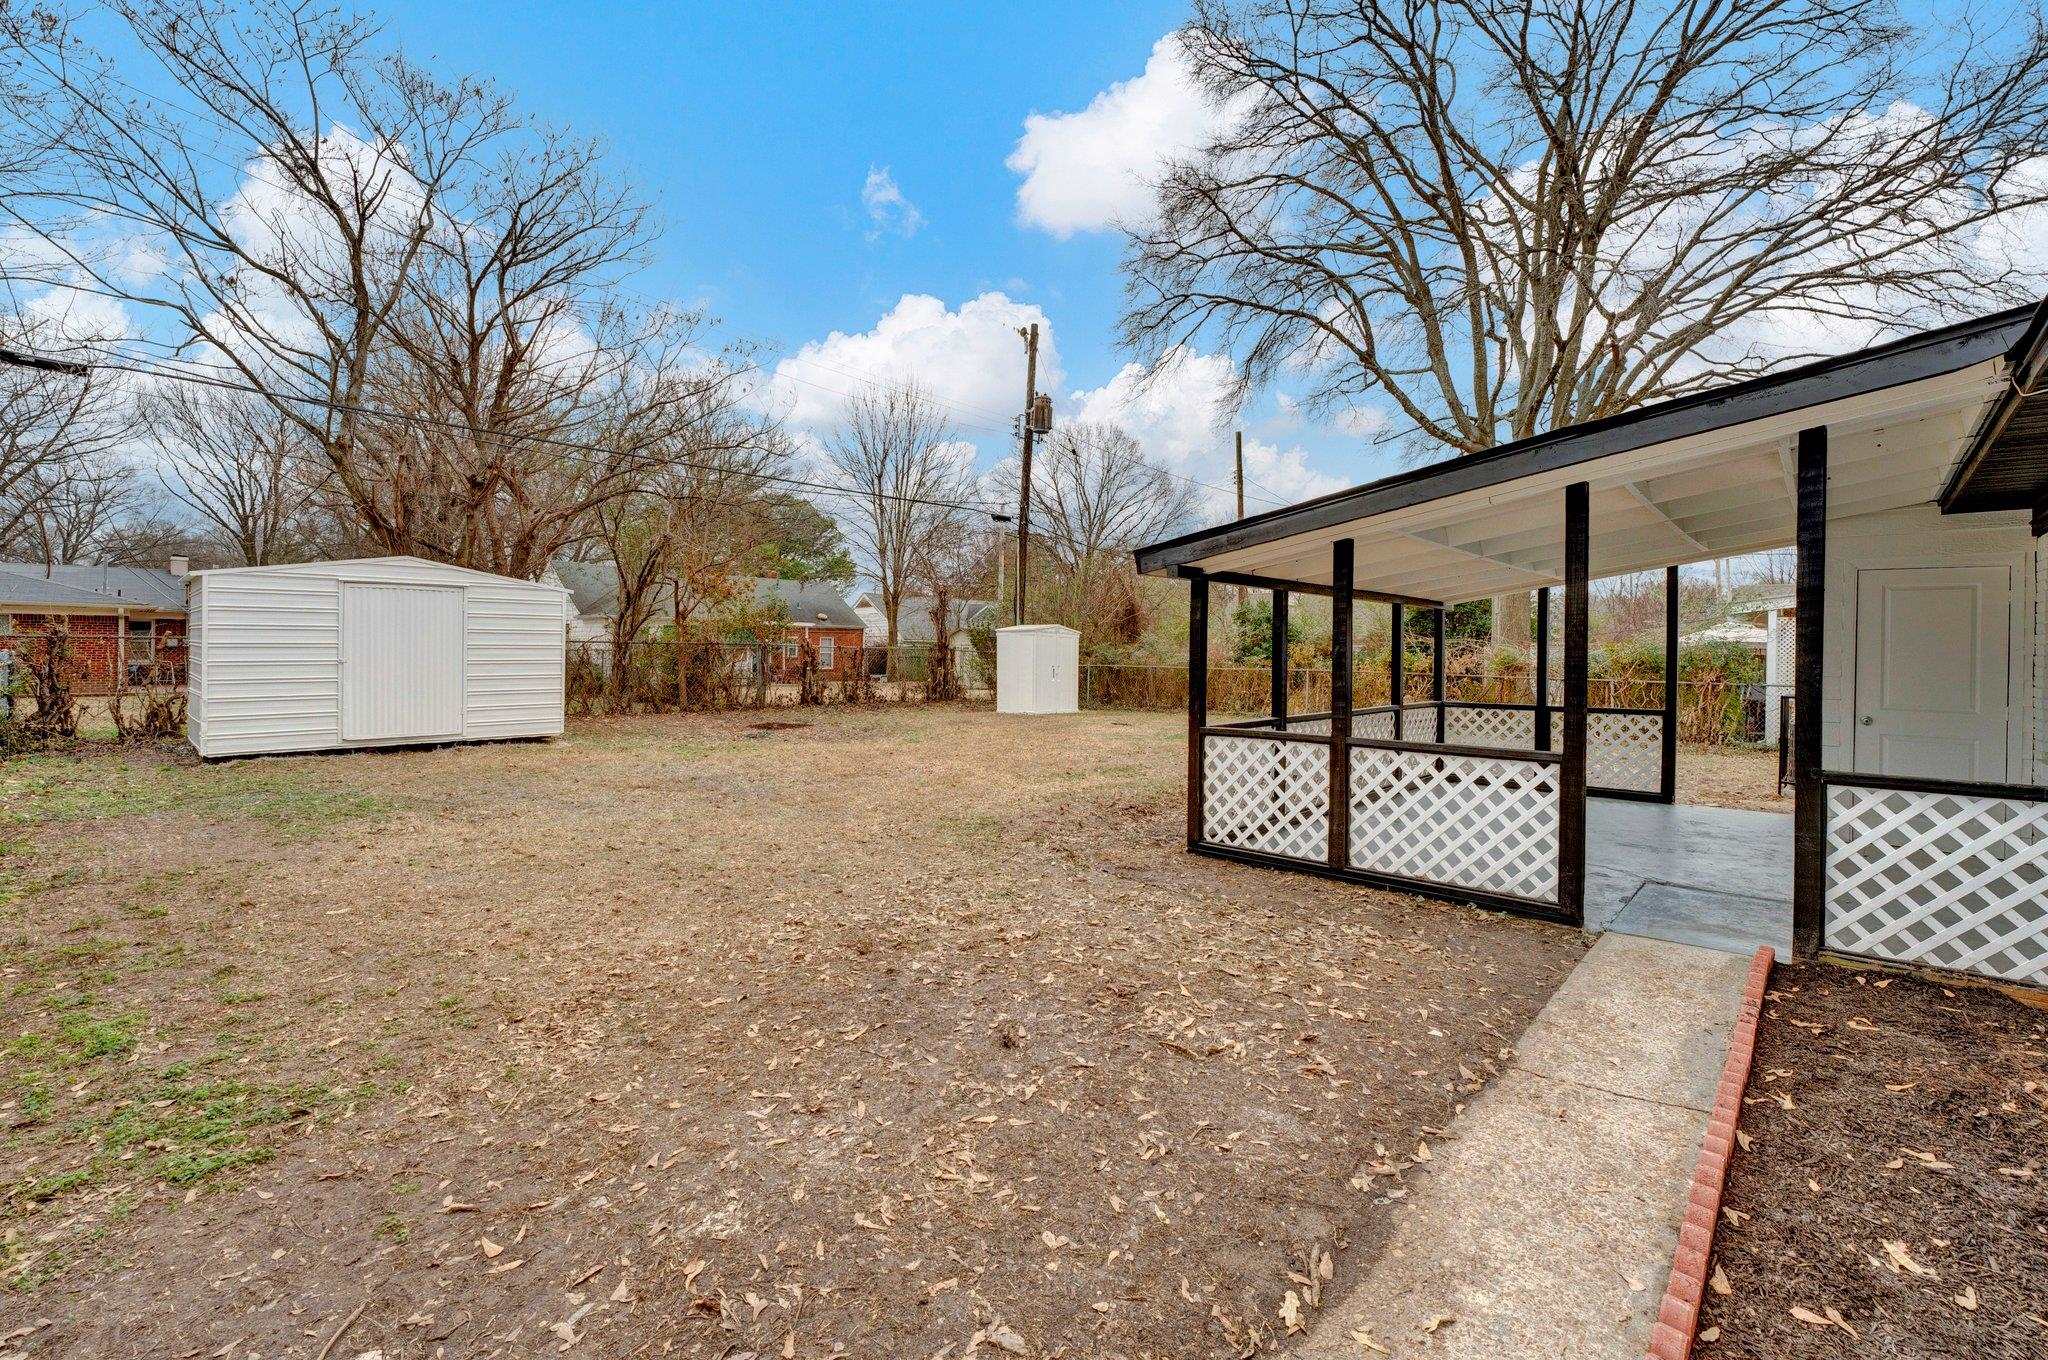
1730, 776
873, 1036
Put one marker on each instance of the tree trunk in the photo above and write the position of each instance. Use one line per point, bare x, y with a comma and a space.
1511, 620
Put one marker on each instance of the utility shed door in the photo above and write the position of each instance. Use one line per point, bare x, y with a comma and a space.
401, 661
1931, 653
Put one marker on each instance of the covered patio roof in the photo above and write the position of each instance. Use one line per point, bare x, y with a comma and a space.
1914, 421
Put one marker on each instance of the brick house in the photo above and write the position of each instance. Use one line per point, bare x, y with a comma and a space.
126, 624
812, 616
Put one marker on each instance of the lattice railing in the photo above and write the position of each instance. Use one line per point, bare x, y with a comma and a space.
1951, 879
1486, 823
1513, 729
1262, 793
1624, 749
1376, 724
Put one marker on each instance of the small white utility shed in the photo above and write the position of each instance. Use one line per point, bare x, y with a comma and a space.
1038, 669
385, 651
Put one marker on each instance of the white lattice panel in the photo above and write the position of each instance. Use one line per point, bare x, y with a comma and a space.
1315, 727
1262, 794
1479, 822
1945, 879
1623, 750
1512, 729
1375, 726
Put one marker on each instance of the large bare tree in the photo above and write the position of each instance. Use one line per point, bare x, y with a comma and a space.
1498, 218
1097, 493
236, 463
897, 454
61, 474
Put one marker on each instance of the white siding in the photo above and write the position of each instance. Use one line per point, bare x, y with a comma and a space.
195, 663
1920, 536
272, 654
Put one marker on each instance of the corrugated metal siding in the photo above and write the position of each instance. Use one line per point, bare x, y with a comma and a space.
514, 651
273, 654
195, 664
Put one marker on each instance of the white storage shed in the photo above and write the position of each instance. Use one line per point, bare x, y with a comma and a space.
386, 651
1038, 669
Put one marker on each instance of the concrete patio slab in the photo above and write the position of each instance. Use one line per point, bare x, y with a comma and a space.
1714, 876
1547, 1225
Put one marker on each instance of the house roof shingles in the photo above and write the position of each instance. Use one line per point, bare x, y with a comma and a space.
594, 589
24, 585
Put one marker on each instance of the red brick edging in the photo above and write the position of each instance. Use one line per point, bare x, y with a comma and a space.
1679, 1318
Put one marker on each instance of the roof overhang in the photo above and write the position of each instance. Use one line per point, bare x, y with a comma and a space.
1695, 478
2006, 464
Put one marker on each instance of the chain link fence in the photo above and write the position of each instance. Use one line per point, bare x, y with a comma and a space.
1710, 712
666, 676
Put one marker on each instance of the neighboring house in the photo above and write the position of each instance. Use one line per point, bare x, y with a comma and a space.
815, 611
914, 625
125, 622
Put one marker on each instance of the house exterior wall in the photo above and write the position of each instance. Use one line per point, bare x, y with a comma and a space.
1920, 536
269, 643
785, 662
97, 651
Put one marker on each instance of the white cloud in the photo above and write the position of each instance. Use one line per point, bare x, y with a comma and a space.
968, 358
1185, 426
889, 212
1095, 169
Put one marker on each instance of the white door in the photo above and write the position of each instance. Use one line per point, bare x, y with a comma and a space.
1931, 680
401, 662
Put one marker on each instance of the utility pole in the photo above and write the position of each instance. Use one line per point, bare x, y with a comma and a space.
1037, 419
1240, 513
1240, 474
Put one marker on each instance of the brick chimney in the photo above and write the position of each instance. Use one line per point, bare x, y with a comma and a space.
180, 565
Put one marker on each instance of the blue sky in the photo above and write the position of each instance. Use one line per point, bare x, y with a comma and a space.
753, 129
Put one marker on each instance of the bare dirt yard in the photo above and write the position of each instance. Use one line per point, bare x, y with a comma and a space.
897, 1032
1891, 1194
1730, 776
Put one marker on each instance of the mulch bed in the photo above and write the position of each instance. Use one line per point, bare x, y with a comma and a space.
1891, 1196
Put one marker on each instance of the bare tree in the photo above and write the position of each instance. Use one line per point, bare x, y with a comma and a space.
1503, 218
1097, 493
897, 453
294, 214
60, 477
235, 463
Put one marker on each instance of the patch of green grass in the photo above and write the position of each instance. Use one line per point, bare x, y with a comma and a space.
89, 1038
180, 1133
35, 1098
45, 789
394, 1229
969, 829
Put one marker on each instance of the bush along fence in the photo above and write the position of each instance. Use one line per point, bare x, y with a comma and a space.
667, 676
44, 674
1713, 710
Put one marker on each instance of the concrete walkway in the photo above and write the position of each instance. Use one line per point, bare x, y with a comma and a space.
1546, 1228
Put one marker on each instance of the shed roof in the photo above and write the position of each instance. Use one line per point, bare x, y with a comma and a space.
1694, 478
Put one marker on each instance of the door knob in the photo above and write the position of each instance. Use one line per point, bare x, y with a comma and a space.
1868, 721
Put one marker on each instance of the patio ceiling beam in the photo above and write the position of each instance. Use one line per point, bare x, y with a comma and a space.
1440, 539
1257, 582
1641, 498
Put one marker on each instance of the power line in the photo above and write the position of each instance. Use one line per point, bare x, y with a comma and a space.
141, 366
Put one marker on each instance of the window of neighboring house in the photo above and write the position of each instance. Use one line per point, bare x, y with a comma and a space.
825, 653
789, 651
141, 639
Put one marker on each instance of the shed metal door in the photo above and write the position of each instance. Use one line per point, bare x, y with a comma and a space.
401, 661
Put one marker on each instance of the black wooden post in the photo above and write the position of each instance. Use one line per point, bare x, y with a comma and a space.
1809, 810
1396, 657
1437, 674
1198, 697
1542, 678
1341, 585
1667, 775
1279, 702
1571, 806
